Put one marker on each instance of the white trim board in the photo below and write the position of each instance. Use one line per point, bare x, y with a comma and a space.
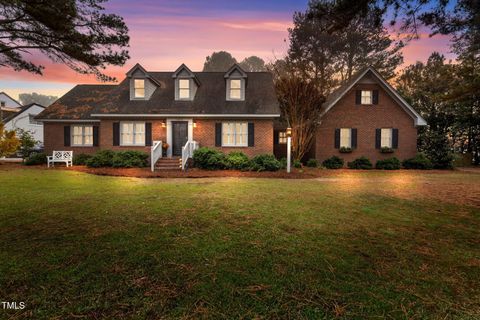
137, 115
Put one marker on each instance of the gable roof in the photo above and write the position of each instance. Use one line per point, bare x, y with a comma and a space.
14, 100
23, 109
340, 92
136, 67
177, 72
236, 67
92, 101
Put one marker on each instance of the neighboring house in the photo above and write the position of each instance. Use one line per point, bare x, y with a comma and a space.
231, 111
8, 105
25, 119
366, 114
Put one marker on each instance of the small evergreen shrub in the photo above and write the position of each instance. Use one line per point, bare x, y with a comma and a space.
36, 158
345, 150
265, 162
312, 163
297, 164
130, 159
360, 163
103, 158
209, 159
420, 162
283, 163
333, 163
386, 150
237, 160
388, 164
81, 159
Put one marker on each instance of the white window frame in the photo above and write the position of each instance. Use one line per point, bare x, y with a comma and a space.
231, 89
137, 87
180, 89
83, 135
135, 134
282, 137
366, 97
345, 134
234, 133
386, 139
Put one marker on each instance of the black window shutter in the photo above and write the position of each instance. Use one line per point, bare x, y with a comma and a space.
251, 134
95, 136
148, 134
394, 138
375, 97
358, 97
378, 137
116, 133
354, 138
276, 134
218, 134
66, 136
337, 138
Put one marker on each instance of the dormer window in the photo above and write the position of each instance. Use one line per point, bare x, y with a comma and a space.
139, 88
235, 92
184, 89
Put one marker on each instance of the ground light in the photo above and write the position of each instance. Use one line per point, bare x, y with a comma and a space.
289, 148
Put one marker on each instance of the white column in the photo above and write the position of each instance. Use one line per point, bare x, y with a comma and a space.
289, 153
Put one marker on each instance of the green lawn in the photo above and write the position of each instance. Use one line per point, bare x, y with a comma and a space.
352, 246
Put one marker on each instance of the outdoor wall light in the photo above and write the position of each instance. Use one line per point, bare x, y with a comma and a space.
163, 124
195, 124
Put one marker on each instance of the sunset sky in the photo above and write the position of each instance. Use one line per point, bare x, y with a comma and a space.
164, 34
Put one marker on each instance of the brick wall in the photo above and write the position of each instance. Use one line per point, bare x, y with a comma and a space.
366, 118
204, 133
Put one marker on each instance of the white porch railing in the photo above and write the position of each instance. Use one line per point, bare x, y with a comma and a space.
187, 152
155, 153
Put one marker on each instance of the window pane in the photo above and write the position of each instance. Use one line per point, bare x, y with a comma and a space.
127, 133
88, 135
235, 89
386, 138
139, 86
241, 132
345, 138
235, 84
227, 133
139, 134
184, 93
184, 84
366, 97
77, 135
282, 137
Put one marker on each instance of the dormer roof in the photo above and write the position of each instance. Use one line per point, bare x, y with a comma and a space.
235, 67
183, 67
138, 67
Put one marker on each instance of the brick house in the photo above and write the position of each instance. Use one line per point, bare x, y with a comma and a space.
231, 111
363, 117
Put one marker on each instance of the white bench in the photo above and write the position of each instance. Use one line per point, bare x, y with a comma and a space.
60, 156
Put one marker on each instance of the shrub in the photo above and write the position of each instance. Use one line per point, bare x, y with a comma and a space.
345, 150
388, 164
265, 162
208, 158
36, 158
386, 150
283, 163
130, 159
312, 163
27, 143
420, 161
360, 163
333, 163
237, 160
103, 158
297, 164
81, 159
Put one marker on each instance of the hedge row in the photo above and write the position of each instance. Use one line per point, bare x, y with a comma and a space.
109, 158
212, 159
420, 161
